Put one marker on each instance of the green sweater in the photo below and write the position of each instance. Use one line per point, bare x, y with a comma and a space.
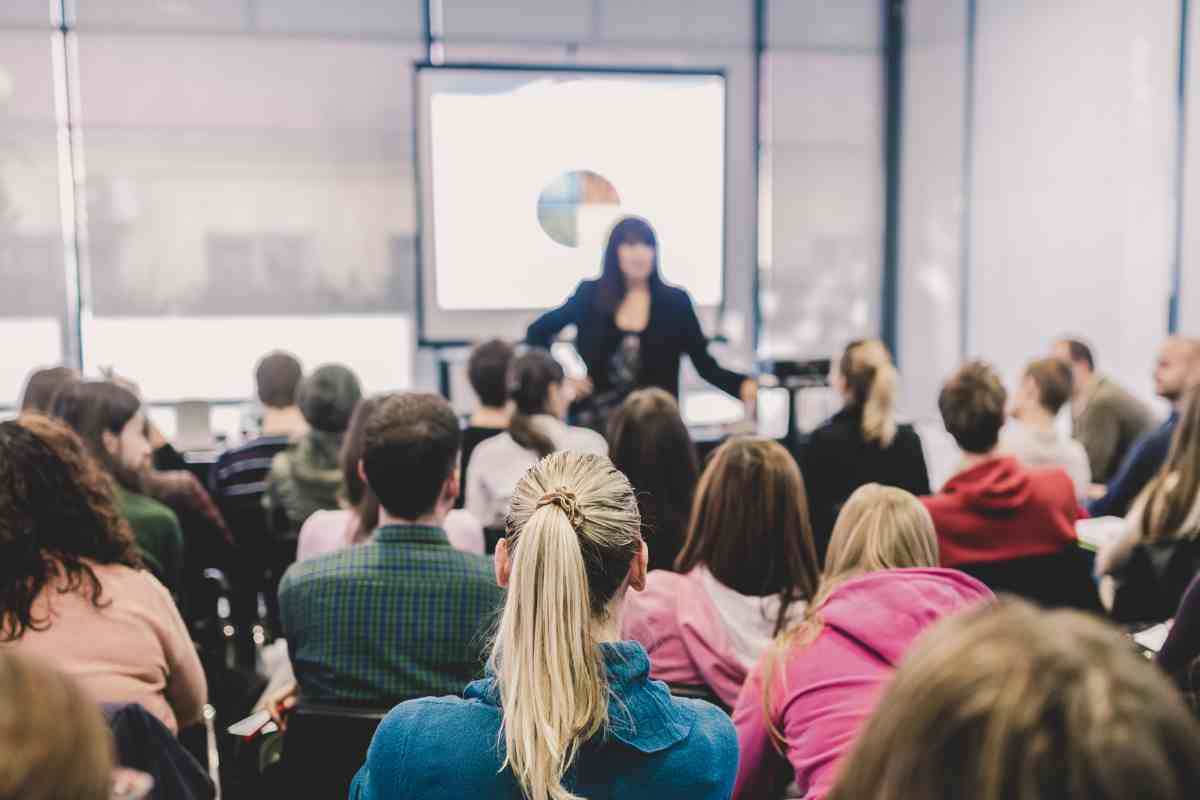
159, 537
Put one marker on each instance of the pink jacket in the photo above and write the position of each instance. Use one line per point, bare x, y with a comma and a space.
825, 690
699, 632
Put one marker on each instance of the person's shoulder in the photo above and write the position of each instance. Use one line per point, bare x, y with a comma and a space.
706, 760
491, 446
587, 440
145, 510
1053, 483
424, 735
335, 566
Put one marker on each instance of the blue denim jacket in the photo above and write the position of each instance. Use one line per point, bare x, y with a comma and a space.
657, 746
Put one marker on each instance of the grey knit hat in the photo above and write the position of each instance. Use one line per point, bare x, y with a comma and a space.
327, 397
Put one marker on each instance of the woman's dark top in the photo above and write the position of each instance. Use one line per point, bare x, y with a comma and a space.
837, 461
627, 360
1183, 643
472, 435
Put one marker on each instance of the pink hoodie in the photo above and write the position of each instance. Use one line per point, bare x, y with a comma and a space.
826, 689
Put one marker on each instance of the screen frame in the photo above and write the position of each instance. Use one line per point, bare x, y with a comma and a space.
423, 188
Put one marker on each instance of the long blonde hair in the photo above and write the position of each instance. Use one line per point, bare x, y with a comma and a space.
1167, 502
880, 527
871, 378
573, 529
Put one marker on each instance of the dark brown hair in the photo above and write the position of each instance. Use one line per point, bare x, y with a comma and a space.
355, 490
1170, 497
277, 378
487, 369
648, 441
529, 380
93, 407
42, 385
1080, 353
56, 510
750, 525
610, 289
1053, 379
54, 739
410, 447
972, 406
1009, 701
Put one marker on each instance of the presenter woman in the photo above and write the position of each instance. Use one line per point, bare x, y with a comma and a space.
632, 328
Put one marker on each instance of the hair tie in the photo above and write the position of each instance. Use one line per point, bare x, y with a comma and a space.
565, 500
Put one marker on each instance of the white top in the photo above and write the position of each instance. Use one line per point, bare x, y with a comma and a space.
1051, 448
499, 463
750, 621
326, 531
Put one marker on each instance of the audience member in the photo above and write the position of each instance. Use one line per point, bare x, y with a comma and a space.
110, 420
1010, 701
1179, 654
355, 522
72, 590
993, 508
861, 443
306, 477
403, 614
42, 385
881, 588
1168, 509
1033, 438
1177, 369
487, 369
540, 402
1106, 419
649, 443
568, 710
54, 744
747, 570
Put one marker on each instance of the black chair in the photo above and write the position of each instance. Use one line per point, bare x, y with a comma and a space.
1059, 580
490, 537
324, 746
700, 692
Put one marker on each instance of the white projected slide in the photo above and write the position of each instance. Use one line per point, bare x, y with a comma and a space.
525, 170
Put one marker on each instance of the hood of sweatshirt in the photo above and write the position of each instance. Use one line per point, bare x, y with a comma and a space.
996, 486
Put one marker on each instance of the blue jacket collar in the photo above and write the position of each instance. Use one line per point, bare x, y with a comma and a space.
641, 712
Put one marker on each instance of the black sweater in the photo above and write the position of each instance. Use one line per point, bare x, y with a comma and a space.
672, 330
837, 461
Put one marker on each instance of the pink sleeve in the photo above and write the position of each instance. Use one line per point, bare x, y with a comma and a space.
187, 689
762, 769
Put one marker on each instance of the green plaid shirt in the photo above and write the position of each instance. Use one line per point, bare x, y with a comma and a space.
402, 616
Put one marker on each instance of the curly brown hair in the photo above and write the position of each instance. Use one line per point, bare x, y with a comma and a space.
57, 514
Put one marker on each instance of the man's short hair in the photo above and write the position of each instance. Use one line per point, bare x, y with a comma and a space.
1053, 379
277, 376
972, 406
410, 447
487, 370
1080, 353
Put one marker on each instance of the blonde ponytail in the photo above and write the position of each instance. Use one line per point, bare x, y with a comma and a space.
871, 377
573, 528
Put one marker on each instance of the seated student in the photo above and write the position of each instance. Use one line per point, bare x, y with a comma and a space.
993, 508
110, 420
650, 444
567, 710
306, 477
540, 402
1106, 418
53, 740
748, 568
861, 443
403, 614
487, 369
1032, 437
1009, 701
1177, 370
42, 385
72, 590
1182, 647
1168, 509
879, 591
326, 531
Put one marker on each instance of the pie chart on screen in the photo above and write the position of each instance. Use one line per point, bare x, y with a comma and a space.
577, 208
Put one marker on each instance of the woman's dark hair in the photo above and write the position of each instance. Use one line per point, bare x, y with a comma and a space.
42, 385
93, 407
529, 380
56, 510
750, 525
355, 490
648, 442
610, 290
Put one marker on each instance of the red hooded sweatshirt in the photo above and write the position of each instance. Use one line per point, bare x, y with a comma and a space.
999, 510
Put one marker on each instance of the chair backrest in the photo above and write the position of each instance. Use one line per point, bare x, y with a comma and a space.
325, 745
1058, 580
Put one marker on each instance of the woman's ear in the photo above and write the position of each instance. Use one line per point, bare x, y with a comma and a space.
637, 568
112, 443
503, 564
